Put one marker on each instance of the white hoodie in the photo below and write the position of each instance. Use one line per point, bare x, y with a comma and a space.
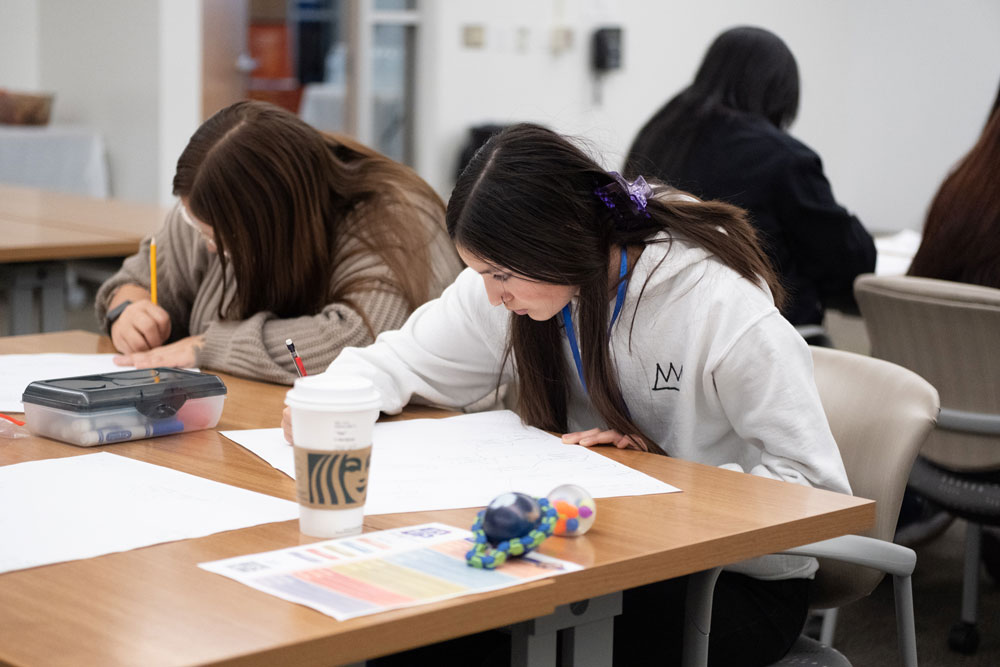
710, 370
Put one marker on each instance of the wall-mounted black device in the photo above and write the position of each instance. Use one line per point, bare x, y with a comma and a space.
607, 49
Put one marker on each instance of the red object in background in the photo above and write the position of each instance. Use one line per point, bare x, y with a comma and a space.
274, 78
269, 46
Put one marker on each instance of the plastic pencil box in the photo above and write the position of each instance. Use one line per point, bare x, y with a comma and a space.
93, 410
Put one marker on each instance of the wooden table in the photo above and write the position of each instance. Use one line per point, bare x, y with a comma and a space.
153, 606
40, 231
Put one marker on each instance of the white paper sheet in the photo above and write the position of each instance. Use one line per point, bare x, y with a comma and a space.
83, 506
895, 252
356, 576
19, 370
466, 461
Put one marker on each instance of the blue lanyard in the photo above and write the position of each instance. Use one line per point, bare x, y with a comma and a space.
567, 316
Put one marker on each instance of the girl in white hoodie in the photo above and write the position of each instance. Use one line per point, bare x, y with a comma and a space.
635, 316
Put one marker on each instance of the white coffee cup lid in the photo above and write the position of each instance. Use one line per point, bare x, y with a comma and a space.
328, 391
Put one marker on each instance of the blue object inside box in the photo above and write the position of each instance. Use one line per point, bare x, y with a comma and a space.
127, 405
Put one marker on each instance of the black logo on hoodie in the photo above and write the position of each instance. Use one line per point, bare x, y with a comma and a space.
663, 380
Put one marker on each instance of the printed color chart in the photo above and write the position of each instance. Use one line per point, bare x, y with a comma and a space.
373, 572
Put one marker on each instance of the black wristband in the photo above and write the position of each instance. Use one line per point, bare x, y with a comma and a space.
115, 313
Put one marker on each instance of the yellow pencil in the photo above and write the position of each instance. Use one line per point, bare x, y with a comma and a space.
152, 269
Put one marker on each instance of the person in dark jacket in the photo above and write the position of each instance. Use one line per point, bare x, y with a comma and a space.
724, 137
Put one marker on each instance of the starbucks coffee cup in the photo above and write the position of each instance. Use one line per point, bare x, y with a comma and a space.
332, 421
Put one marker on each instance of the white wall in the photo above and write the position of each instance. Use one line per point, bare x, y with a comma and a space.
893, 92
19, 45
101, 59
128, 68
180, 85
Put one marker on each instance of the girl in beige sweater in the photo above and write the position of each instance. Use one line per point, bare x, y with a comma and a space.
280, 232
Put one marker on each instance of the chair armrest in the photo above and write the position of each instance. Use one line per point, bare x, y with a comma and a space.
894, 559
973, 422
859, 550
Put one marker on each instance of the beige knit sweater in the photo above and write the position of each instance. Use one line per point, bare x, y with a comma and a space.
190, 288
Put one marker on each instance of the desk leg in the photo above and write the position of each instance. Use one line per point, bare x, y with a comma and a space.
53, 284
50, 278
584, 631
21, 318
698, 617
530, 648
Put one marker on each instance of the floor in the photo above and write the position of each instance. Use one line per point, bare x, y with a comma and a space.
866, 629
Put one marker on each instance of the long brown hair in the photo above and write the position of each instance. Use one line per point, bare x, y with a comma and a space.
288, 203
961, 239
526, 202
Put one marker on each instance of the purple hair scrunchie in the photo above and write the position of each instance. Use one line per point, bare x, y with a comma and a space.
638, 192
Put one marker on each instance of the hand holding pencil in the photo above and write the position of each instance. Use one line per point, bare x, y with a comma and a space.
140, 323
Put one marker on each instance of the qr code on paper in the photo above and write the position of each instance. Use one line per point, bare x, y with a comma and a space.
425, 532
248, 566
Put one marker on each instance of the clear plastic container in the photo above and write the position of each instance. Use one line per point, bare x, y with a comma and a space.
93, 410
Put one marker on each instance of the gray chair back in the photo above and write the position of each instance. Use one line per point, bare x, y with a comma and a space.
880, 414
949, 333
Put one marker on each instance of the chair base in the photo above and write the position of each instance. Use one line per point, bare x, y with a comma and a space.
964, 638
808, 651
925, 521
991, 555
970, 496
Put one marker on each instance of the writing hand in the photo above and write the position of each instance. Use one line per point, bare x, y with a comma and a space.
142, 326
286, 424
181, 354
599, 436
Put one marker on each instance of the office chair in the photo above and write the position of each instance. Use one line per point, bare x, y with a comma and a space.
880, 415
949, 333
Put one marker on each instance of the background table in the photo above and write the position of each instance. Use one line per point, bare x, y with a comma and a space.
895, 252
154, 606
54, 157
40, 232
